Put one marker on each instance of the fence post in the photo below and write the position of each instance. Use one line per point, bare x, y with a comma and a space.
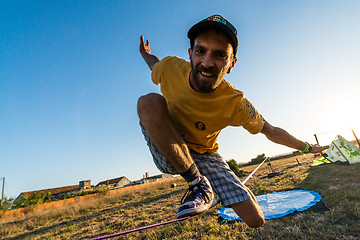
357, 140
317, 141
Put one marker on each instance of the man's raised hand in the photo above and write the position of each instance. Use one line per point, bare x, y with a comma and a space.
144, 48
145, 51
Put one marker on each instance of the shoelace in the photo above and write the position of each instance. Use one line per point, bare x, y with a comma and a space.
191, 191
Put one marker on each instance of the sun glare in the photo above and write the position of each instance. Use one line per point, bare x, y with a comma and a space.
339, 119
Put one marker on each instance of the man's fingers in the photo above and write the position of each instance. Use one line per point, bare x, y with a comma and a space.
144, 48
317, 148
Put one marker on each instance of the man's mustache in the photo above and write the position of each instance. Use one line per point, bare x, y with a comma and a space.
211, 71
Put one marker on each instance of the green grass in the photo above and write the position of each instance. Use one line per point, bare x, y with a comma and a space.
339, 187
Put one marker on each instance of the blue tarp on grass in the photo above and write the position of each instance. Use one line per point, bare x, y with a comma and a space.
279, 204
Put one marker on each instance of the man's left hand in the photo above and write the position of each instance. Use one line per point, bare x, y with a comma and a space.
318, 149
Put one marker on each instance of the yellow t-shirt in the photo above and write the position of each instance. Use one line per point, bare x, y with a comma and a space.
201, 116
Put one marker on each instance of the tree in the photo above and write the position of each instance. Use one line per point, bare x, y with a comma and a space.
256, 160
233, 165
6, 205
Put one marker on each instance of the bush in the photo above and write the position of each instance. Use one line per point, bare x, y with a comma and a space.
233, 165
34, 200
103, 189
6, 204
47, 197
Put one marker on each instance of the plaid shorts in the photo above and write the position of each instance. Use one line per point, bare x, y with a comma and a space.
223, 180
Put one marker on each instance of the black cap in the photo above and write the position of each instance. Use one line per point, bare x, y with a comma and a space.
217, 22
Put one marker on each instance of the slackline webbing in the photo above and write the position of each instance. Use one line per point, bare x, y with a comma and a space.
174, 220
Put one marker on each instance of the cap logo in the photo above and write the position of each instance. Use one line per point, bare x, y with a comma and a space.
200, 125
217, 18
219, 23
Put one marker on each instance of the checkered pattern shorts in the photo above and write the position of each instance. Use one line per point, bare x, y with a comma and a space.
223, 180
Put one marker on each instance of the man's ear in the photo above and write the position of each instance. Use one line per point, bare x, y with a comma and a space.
232, 65
190, 52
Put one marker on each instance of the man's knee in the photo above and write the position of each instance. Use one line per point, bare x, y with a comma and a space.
148, 99
256, 222
151, 106
250, 212
149, 103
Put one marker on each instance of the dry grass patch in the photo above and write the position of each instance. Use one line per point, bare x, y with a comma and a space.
338, 185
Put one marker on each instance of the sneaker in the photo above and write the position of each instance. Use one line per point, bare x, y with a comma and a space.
197, 199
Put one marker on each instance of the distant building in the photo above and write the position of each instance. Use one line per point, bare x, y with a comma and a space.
137, 182
147, 179
158, 177
85, 184
115, 183
55, 192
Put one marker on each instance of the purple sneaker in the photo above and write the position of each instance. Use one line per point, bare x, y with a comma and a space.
197, 199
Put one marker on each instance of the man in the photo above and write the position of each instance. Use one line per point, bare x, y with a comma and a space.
181, 126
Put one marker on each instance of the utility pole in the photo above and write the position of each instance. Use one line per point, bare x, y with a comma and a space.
2, 195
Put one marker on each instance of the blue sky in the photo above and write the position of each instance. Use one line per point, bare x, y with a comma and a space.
71, 74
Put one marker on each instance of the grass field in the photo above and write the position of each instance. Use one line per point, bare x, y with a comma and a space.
338, 185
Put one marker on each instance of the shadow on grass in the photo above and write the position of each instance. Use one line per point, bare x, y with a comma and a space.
95, 215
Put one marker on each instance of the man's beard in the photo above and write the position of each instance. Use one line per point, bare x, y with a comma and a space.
205, 86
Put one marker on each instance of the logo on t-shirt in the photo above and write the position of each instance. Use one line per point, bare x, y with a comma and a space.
251, 109
200, 125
